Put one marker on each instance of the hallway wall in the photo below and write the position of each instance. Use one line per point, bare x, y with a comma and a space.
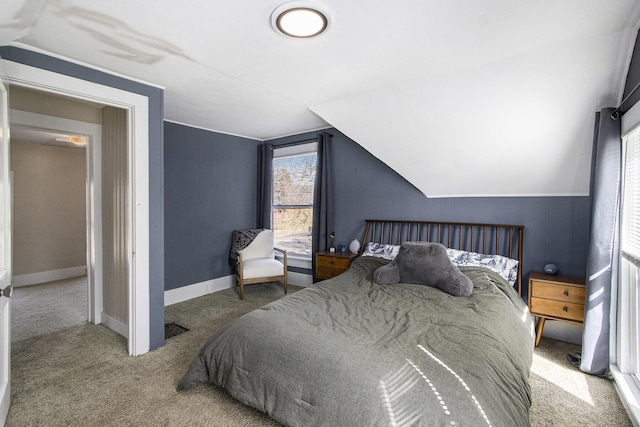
49, 218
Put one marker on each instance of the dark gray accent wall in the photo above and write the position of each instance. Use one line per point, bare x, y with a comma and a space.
210, 190
556, 228
156, 165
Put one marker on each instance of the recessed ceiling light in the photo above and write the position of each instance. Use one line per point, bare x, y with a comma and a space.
300, 19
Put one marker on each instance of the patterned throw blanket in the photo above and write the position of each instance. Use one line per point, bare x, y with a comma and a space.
240, 239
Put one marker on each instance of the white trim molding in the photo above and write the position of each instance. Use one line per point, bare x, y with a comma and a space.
49, 276
299, 279
629, 393
296, 260
185, 293
115, 325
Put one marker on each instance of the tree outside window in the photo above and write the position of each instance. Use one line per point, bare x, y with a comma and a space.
293, 186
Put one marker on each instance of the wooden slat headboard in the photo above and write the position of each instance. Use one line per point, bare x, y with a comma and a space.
491, 239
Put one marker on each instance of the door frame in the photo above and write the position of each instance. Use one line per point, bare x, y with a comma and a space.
5, 261
137, 107
93, 194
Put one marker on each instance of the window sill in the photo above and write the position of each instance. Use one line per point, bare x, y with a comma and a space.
629, 393
298, 261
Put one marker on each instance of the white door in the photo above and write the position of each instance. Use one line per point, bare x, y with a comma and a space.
5, 258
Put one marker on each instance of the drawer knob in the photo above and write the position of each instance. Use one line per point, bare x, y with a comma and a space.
566, 293
565, 309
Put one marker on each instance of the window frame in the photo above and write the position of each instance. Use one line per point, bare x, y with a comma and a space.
628, 342
625, 359
292, 151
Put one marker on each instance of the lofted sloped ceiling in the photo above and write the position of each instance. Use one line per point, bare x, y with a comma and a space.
462, 98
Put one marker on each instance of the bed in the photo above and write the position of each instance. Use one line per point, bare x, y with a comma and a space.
349, 352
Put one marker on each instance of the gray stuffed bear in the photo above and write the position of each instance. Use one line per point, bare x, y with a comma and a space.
425, 263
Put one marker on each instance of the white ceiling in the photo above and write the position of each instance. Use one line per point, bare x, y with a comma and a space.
491, 97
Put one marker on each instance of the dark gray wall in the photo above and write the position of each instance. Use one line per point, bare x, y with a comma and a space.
210, 190
556, 228
156, 164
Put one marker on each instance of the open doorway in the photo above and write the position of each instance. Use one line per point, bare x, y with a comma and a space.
136, 207
90, 181
49, 190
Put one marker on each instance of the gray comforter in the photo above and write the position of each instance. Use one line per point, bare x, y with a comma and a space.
348, 352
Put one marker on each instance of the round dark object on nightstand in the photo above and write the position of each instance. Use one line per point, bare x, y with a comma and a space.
551, 269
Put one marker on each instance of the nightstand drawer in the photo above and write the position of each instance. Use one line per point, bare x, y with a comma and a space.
557, 309
327, 272
559, 292
332, 262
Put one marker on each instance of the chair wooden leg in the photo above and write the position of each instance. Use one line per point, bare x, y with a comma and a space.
239, 283
285, 284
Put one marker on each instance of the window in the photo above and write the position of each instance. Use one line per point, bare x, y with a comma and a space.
628, 323
294, 173
625, 365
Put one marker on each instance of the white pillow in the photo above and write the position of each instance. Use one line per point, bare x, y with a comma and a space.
505, 267
381, 250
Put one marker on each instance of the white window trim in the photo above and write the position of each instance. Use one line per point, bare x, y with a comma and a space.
629, 393
294, 150
295, 260
626, 385
298, 261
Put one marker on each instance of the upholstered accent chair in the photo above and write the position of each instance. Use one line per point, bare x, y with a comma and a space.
256, 263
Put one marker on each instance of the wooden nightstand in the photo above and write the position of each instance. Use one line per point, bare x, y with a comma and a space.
556, 297
330, 264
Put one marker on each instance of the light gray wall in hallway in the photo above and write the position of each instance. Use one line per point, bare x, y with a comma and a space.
49, 216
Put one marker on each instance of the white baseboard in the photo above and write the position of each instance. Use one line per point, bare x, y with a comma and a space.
48, 276
185, 293
563, 331
115, 325
300, 279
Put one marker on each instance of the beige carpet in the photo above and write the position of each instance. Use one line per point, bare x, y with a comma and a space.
82, 376
49, 307
565, 396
